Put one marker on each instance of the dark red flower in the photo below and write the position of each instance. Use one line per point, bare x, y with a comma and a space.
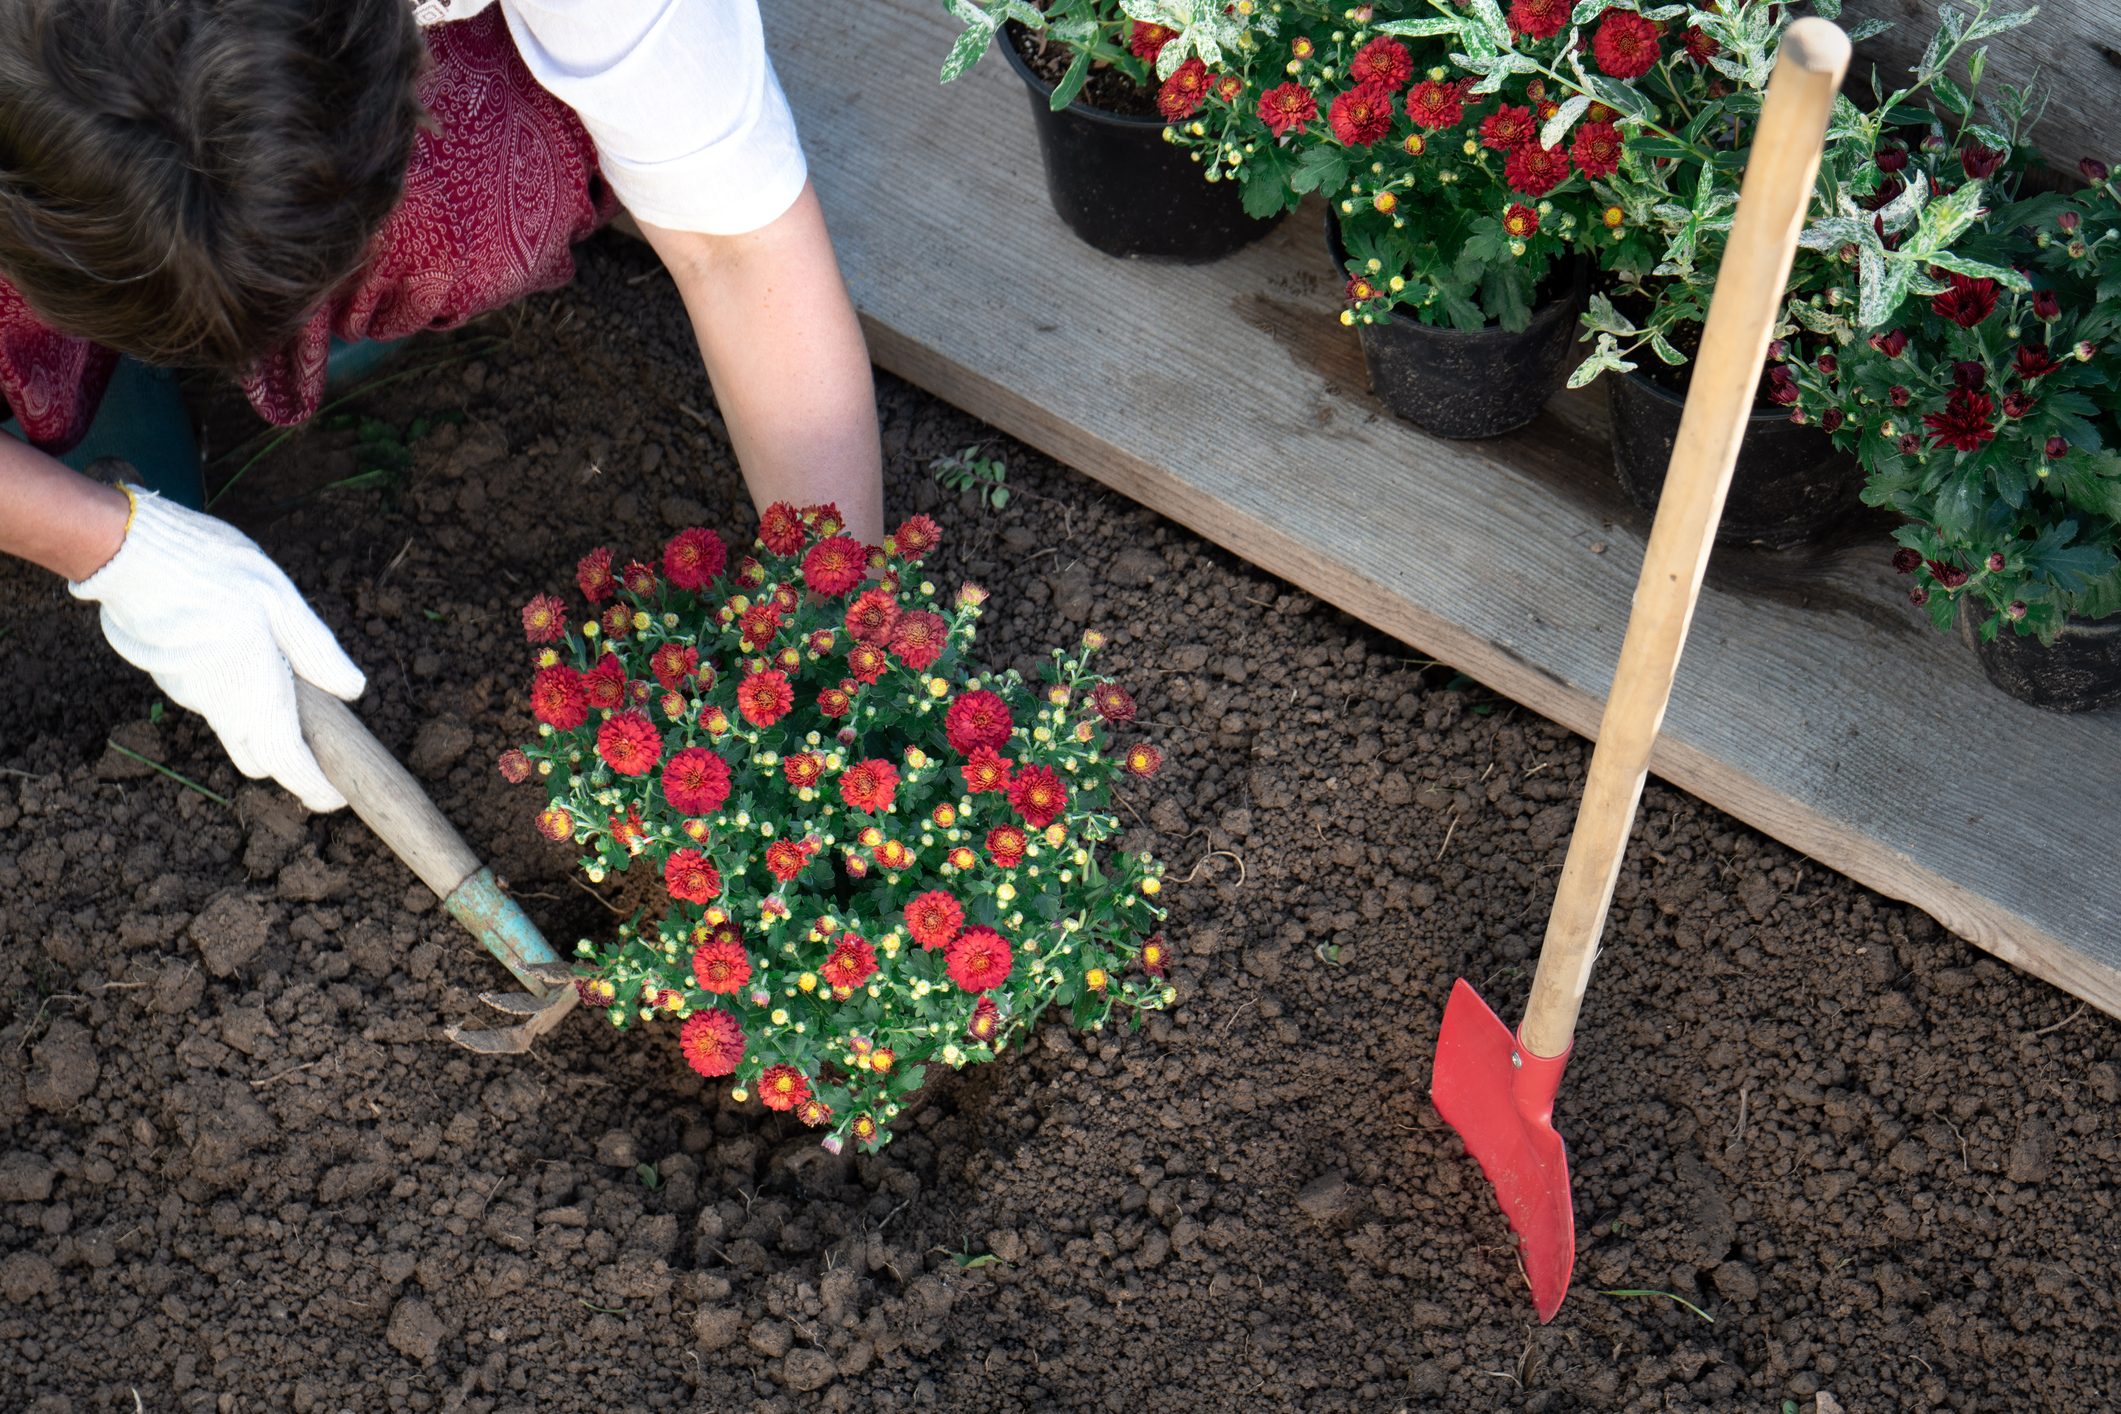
1287, 107
916, 537
1970, 374
1540, 19
1361, 115
1520, 220
764, 698
1432, 104
1948, 575
1143, 760
693, 558
2056, 447
1898, 396
918, 640
1384, 61
1039, 795
515, 766
557, 698
782, 1087
1782, 386
834, 701
852, 963
696, 781
1698, 45
979, 959
986, 769
1968, 302
1891, 158
872, 616
673, 663
985, 1021
2047, 306
785, 859
2093, 169
1508, 127
1891, 344
1006, 845
866, 662
1965, 424
639, 580
721, 965
617, 621
1832, 419
1909, 444
2032, 361
934, 918
1182, 94
1980, 162
1625, 45
1535, 170
604, 686
544, 619
835, 565
1596, 150
869, 785
2018, 405
689, 877
781, 528
1905, 560
1147, 40
630, 744
713, 1041
593, 576
978, 719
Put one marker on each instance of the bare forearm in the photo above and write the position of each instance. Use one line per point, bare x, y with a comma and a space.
55, 517
785, 354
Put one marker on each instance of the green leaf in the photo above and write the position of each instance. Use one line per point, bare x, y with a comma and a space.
1868, 29
1827, 9
1977, 269
1603, 317
1557, 127
1662, 347
1420, 29
968, 49
1071, 82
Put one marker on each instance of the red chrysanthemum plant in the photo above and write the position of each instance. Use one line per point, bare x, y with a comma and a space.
871, 854
1166, 47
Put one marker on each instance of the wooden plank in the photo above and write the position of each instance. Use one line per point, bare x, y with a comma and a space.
1812, 703
2072, 50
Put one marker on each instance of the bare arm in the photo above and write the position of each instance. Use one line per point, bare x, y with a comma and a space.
55, 517
784, 352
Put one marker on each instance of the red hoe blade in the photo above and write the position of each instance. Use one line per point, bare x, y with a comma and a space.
1497, 1089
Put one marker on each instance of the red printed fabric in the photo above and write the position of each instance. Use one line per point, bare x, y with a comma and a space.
501, 186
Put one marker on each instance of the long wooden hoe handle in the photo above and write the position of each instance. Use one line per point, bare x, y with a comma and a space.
1749, 293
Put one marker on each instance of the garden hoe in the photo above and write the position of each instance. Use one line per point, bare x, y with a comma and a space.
391, 803
1497, 1089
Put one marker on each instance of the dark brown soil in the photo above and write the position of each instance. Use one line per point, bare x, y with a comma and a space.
241, 1170
1106, 89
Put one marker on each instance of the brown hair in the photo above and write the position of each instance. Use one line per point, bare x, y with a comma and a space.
187, 180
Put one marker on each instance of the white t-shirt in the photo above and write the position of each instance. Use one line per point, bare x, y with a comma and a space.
692, 130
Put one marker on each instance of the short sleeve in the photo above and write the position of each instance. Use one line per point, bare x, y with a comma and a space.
692, 130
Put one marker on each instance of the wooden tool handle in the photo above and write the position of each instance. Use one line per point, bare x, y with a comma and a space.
383, 793
1772, 202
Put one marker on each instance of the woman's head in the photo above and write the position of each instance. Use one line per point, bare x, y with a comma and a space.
186, 180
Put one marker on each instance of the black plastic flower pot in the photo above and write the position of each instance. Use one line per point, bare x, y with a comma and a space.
1126, 191
2079, 672
1791, 484
1467, 384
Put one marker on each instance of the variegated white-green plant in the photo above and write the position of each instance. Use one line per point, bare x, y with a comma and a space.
1098, 33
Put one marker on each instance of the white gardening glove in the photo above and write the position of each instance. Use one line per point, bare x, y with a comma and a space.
196, 603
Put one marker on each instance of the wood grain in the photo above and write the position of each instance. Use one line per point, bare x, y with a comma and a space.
383, 793
1813, 704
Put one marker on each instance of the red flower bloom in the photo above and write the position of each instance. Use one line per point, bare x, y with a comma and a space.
869, 786
1286, 107
2056, 447
1965, 422
1383, 61
721, 965
713, 1041
1433, 105
978, 719
1183, 92
1535, 170
834, 702
1979, 162
1039, 795
782, 1087
872, 616
804, 768
852, 963
918, 640
1006, 845
693, 557
757, 625
866, 662
639, 580
813, 1112
628, 830
1968, 302
917, 537
1699, 46
1520, 220
605, 684
1148, 40
630, 744
544, 619
696, 781
1156, 956
1906, 560
1361, 115
835, 565
1625, 45
781, 528
1596, 150
557, 698
1950, 576
673, 663
515, 766
1143, 760
689, 877
785, 859
1112, 702
1540, 19
2032, 361
863, 1127
934, 918
555, 824
764, 698
1508, 127
978, 958
986, 1020
593, 576
2017, 405
617, 621
985, 769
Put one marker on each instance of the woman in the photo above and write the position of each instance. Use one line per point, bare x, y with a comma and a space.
235, 183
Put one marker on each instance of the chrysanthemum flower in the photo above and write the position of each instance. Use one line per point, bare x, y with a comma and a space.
894, 856
869, 786
1287, 107
813, 1112
1383, 61
1968, 302
1039, 795
1143, 759
689, 877
986, 1020
639, 580
917, 537
557, 698
1433, 104
852, 963
866, 662
1520, 220
1540, 19
872, 616
604, 686
544, 619
555, 824
962, 857
1698, 45
934, 918
1147, 40
593, 576
616, 621
713, 1042
515, 766
1182, 94
782, 1087
918, 640
978, 719
978, 959
986, 769
696, 781
863, 1127
693, 557
1156, 957
781, 528
1596, 150
757, 625
1006, 845
1112, 702
764, 698
673, 663
824, 520
630, 744
785, 859
1535, 170
802, 768
1965, 424
2032, 361
1361, 115
1625, 45
835, 565
1508, 127
834, 702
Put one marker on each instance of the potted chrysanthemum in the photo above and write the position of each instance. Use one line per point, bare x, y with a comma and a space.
1991, 419
869, 854
1106, 79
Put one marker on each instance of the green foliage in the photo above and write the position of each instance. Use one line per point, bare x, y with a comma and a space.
967, 470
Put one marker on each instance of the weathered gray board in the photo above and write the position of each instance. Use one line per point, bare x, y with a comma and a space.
1811, 703
2073, 51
